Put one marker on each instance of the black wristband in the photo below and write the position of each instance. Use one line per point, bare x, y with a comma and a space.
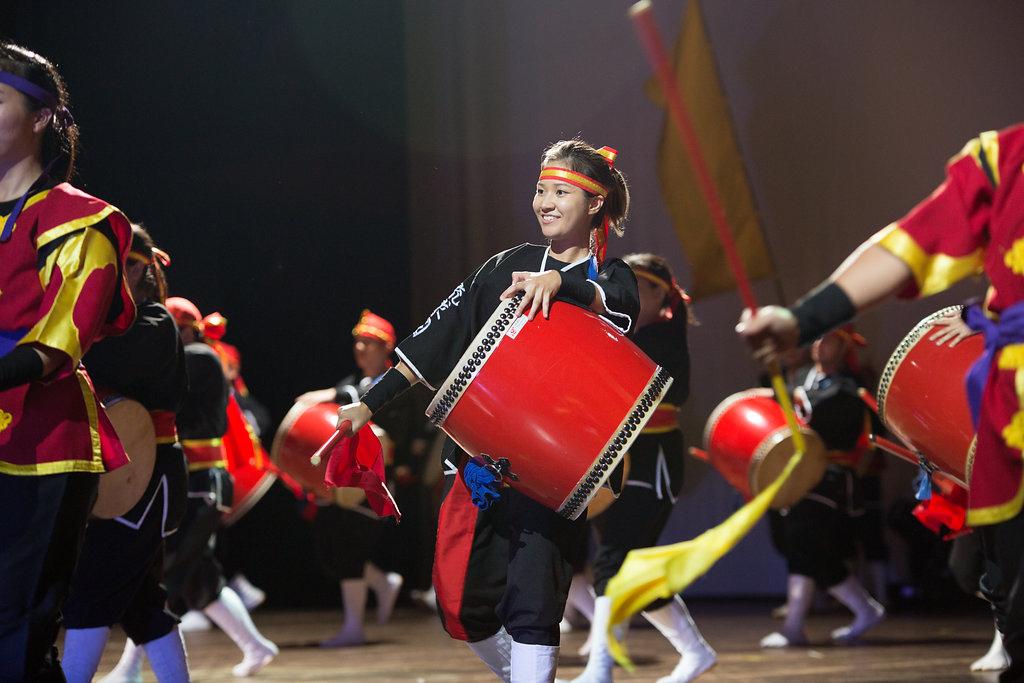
579, 291
387, 388
823, 309
20, 366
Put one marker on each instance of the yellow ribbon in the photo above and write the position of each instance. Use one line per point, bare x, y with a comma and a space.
660, 572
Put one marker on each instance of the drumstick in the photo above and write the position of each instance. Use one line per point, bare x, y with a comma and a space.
640, 13
315, 459
896, 449
868, 399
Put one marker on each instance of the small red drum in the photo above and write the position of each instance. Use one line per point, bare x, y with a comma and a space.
247, 462
562, 399
119, 490
748, 441
921, 397
303, 430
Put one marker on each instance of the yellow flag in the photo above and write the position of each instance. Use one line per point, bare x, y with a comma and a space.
660, 572
698, 82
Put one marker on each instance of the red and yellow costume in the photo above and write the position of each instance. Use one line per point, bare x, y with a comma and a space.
61, 287
973, 223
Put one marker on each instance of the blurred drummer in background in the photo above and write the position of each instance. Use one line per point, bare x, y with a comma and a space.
655, 478
119, 573
352, 543
192, 574
816, 534
501, 570
974, 221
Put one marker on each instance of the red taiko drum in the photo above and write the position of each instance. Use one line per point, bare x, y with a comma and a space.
748, 441
303, 430
247, 462
921, 397
562, 399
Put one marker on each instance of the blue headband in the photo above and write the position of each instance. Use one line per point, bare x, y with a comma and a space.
62, 118
29, 88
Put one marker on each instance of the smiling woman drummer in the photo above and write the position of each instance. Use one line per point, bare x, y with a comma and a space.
501, 572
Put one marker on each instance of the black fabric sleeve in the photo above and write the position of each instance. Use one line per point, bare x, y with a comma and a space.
616, 285
578, 291
838, 416
204, 413
823, 309
387, 388
666, 344
434, 348
21, 366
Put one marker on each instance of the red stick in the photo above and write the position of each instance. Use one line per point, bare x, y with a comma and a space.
640, 13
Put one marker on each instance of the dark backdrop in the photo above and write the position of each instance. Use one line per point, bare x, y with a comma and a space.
263, 144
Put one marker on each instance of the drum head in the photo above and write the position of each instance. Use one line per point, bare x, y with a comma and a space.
606, 495
773, 458
121, 489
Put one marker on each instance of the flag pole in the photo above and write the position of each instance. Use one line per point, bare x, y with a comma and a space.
640, 13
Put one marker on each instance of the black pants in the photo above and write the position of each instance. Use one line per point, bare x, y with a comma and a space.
638, 517
41, 533
504, 566
119, 574
1003, 585
192, 575
345, 540
814, 534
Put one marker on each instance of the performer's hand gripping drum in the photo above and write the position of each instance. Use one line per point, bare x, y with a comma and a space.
748, 441
560, 399
921, 398
305, 428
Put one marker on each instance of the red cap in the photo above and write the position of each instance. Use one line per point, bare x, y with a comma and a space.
184, 311
215, 326
372, 325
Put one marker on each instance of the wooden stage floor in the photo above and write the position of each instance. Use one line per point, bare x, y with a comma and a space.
931, 647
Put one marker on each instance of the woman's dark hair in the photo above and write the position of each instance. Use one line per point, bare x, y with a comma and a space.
154, 282
60, 139
658, 267
578, 156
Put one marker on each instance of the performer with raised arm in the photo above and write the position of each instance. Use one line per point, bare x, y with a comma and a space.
500, 570
974, 221
61, 288
655, 479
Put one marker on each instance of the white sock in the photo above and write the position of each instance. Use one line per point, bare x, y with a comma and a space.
496, 653
83, 648
252, 597
799, 596
229, 613
599, 663
353, 597
695, 655
194, 620
128, 668
167, 656
866, 611
534, 663
581, 596
996, 659
386, 587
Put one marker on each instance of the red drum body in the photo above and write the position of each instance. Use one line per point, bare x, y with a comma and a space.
562, 399
303, 430
921, 398
748, 441
247, 462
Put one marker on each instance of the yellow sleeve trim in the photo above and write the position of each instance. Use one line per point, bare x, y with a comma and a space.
78, 258
59, 231
932, 272
58, 467
199, 443
199, 466
997, 513
987, 142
